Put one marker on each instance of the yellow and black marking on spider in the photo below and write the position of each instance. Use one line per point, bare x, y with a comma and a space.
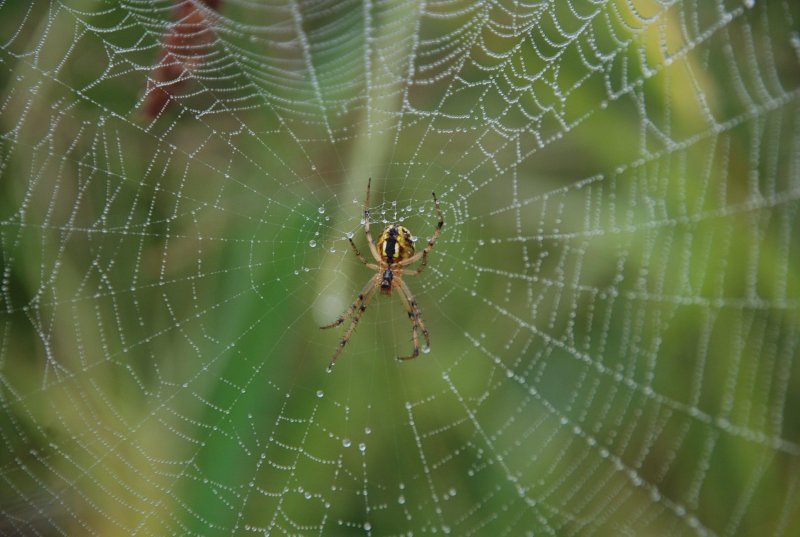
393, 253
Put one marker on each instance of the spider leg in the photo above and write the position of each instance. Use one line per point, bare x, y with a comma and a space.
415, 316
424, 253
373, 266
421, 266
349, 311
413, 302
372, 248
357, 317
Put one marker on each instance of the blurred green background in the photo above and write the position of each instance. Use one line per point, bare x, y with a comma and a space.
613, 303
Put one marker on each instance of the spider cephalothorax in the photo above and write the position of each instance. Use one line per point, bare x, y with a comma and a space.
393, 253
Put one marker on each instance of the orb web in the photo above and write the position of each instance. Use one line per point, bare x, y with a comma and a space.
613, 300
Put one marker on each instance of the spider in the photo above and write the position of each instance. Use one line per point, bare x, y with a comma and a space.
393, 253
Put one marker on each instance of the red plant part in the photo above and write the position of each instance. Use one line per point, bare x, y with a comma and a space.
183, 49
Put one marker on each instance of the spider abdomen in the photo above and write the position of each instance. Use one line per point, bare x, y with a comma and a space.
395, 244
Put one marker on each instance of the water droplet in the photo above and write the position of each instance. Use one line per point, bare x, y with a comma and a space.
367, 430
312, 243
321, 210
362, 447
346, 442
367, 526
795, 40
426, 349
320, 393
349, 234
401, 500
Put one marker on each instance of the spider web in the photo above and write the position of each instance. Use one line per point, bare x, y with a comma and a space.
613, 302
